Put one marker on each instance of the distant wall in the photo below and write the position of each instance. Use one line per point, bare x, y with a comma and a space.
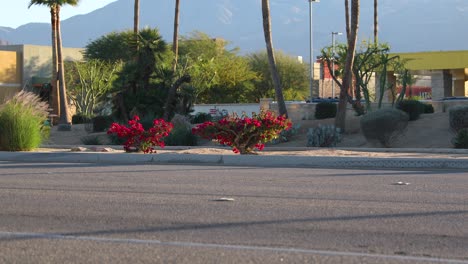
10, 74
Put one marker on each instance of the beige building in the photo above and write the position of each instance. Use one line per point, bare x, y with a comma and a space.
27, 67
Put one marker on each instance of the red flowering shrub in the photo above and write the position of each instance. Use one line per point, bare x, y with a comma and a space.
139, 139
244, 133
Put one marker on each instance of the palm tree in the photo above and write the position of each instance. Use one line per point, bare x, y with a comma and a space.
57, 57
376, 22
171, 94
136, 21
347, 75
175, 39
271, 57
346, 4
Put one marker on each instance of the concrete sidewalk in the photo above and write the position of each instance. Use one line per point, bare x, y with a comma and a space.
271, 157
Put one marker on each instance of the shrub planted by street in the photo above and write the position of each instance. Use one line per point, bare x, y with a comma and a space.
137, 138
22, 122
244, 134
458, 117
428, 109
461, 139
325, 110
413, 108
384, 125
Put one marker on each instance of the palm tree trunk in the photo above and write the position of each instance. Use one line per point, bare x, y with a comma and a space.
340, 119
64, 120
346, 3
175, 39
54, 91
136, 23
376, 22
271, 57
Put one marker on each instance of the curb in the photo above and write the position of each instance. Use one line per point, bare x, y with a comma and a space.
237, 160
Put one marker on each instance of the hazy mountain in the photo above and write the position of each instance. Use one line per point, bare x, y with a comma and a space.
408, 25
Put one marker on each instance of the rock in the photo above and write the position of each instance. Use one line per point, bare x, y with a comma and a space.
101, 149
78, 149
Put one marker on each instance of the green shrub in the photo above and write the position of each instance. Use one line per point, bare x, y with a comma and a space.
181, 136
102, 123
458, 117
325, 110
413, 108
81, 119
461, 139
428, 109
91, 140
286, 135
384, 125
21, 122
201, 118
323, 136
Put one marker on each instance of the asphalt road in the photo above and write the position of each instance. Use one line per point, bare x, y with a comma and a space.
88, 213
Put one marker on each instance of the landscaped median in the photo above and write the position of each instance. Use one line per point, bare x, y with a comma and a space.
270, 157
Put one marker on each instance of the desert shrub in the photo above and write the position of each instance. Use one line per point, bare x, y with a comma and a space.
287, 134
181, 136
22, 121
323, 136
201, 118
81, 119
91, 140
384, 125
325, 110
460, 141
102, 123
428, 108
413, 108
458, 117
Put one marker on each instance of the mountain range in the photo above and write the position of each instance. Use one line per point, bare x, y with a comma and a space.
407, 25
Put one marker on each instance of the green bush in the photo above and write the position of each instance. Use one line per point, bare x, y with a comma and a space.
458, 117
201, 118
413, 108
181, 136
384, 125
21, 122
81, 119
428, 109
323, 136
102, 123
461, 139
325, 110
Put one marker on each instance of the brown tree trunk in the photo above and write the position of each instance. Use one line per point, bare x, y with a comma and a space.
175, 39
54, 91
340, 119
170, 101
136, 17
136, 25
376, 23
346, 3
64, 120
271, 57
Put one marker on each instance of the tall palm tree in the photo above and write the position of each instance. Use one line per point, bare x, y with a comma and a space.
347, 75
271, 57
136, 22
57, 57
346, 4
171, 94
376, 22
175, 39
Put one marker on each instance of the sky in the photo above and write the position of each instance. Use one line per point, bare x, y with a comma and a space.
16, 13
